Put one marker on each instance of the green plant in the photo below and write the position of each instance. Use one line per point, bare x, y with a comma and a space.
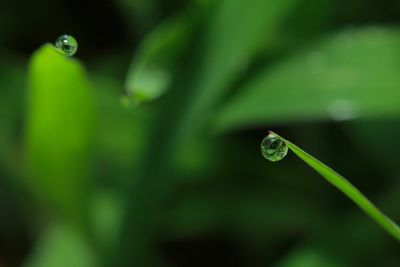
175, 179
343, 185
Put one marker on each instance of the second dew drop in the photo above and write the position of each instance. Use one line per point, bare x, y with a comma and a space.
66, 45
273, 148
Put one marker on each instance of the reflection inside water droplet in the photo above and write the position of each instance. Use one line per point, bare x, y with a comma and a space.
66, 45
273, 148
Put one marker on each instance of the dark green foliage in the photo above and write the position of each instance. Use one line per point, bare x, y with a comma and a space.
179, 180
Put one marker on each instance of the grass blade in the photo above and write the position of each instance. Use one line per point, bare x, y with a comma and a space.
348, 189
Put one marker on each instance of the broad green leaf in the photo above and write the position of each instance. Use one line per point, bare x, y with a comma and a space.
58, 132
352, 74
150, 73
62, 246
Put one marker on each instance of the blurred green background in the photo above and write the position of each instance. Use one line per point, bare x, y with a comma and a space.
143, 150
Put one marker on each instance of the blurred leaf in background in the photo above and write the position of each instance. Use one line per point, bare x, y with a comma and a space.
350, 75
59, 132
151, 71
61, 246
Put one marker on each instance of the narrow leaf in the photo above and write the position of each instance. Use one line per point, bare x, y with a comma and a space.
348, 189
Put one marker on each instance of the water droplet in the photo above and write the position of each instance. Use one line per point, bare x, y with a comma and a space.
273, 148
66, 45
